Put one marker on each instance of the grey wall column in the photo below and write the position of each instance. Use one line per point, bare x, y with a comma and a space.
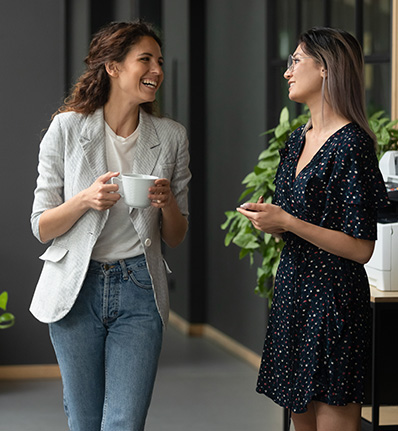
32, 47
198, 266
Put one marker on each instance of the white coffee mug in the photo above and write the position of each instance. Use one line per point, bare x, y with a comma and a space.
134, 189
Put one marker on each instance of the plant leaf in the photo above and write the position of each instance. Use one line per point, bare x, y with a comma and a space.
6, 320
3, 300
284, 116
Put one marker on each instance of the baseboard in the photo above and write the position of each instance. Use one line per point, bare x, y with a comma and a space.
223, 340
179, 323
24, 372
51, 371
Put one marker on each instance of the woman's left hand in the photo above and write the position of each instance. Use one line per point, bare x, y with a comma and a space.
265, 217
174, 224
160, 194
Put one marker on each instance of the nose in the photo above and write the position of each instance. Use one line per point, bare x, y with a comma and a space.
288, 73
156, 68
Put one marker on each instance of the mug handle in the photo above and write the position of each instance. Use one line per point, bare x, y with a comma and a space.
119, 182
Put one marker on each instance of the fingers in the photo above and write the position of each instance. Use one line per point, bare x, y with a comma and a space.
101, 195
106, 177
159, 199
160, 193
265, 217
105, 200
250, 206
161, 185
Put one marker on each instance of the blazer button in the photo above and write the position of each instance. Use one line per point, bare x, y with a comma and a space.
148, 242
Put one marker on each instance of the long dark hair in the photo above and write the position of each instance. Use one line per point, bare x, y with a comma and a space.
111, 43
341, 55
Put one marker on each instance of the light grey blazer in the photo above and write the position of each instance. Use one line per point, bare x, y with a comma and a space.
72, 156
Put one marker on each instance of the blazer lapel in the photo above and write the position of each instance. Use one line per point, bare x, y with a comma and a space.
92, 140
148, 146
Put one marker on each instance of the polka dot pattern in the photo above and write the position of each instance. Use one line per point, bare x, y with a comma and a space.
318, 337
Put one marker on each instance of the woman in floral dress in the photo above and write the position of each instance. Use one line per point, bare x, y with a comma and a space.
328, 190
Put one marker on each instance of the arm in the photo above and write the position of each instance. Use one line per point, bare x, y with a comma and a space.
172, 196
100, 196
174, 224
272, 219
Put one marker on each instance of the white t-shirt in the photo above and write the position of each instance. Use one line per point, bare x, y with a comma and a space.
118, 239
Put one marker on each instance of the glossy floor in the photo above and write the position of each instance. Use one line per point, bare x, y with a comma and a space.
199, 387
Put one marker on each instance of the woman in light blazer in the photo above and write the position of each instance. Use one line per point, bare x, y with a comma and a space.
103, 288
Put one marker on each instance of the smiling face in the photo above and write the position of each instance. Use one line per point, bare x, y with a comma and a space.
304, 78
137, 78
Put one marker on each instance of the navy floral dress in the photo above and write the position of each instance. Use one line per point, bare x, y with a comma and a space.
318, 335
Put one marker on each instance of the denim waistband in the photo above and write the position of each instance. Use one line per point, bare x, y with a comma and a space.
115, 267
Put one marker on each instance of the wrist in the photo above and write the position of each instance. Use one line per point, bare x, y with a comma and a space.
287, 222
81, 201
171, 205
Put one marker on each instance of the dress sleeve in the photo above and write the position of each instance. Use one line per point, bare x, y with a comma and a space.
356, 189
287, 156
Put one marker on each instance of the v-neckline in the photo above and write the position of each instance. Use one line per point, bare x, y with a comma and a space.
315, 156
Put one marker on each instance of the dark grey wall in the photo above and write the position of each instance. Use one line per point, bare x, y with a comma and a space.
234, 79
235, 117
175, 98
78, 38
32, 83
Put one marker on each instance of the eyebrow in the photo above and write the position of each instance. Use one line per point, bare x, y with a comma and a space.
150, 55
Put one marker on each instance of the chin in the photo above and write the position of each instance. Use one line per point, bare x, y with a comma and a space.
296, 99
150, 99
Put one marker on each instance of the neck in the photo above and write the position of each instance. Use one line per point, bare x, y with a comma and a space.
122, 119
324, 119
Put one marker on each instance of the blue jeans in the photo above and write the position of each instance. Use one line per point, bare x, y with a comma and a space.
108, 348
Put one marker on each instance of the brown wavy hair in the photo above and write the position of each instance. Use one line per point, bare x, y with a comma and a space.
111, 43
341, 55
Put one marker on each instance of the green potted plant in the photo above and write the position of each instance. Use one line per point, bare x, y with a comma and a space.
259, 182
6, 319
385, 131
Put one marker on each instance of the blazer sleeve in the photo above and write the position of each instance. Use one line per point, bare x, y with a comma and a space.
181, 174
49, 192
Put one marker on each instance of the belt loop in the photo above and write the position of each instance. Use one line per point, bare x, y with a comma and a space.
104, 267
124, 269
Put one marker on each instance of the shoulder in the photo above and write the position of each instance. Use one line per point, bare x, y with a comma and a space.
355, 154
165, 126
354, 143
294, 140
297, 133
67, 120
352, 137
71, 116
296, 136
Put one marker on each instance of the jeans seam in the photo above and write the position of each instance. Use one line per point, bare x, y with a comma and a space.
105, 299
105, 407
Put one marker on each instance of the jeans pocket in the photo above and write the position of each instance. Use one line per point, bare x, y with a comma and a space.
139, 275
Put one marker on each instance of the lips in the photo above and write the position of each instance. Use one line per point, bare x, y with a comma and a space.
291, 84
150, 83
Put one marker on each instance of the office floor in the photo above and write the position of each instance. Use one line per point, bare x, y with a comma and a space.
199, 387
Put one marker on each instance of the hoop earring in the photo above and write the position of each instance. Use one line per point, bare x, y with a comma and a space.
323, 95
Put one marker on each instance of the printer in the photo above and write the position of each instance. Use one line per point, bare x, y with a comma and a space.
382, 268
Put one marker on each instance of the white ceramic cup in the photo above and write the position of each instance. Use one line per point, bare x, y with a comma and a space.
134, 188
